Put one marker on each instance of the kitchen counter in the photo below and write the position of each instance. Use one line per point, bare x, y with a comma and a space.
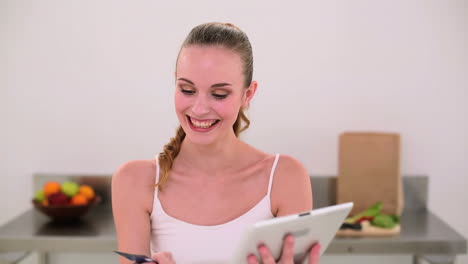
423, 234
32, 231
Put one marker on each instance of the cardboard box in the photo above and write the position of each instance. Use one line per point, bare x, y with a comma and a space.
369, 171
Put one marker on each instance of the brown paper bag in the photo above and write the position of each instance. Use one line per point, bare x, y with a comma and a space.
369, 171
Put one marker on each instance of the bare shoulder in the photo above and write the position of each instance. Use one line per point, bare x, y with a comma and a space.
136, 170
291, 164
291, 190
135, 181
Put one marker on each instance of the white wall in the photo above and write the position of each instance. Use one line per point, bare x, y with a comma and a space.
87, 85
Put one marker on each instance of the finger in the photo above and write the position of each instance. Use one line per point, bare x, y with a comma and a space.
252, 259
314, 254
168, 256
265, 254
287, 255
163, 258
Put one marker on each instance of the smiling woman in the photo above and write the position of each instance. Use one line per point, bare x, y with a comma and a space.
210, 95
195, 199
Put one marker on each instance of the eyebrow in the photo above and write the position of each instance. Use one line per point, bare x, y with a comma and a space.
216, 85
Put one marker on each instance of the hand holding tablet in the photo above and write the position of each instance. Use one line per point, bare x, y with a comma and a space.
315, 227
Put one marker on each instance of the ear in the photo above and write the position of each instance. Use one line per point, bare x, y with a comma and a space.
249, 94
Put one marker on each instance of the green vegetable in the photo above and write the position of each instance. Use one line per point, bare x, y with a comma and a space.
385, 221
371, 211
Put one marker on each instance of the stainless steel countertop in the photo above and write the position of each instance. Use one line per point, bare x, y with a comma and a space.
422, 233
31, 230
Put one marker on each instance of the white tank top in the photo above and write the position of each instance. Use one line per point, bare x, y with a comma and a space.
191, 243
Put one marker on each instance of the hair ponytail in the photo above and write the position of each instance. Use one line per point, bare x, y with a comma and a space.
167, 156
241, 118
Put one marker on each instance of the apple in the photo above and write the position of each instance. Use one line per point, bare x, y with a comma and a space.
58, 199
69, 188
39, 196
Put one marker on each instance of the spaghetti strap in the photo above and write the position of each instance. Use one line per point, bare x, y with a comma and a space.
273, 168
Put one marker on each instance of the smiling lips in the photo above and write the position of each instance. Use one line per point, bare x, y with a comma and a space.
200, 124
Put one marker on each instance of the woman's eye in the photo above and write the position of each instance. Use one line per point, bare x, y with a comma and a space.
219, 96
187, 92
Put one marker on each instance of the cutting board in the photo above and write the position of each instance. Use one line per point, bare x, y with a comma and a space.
369, 231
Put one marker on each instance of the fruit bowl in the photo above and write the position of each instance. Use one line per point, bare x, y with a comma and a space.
67, 212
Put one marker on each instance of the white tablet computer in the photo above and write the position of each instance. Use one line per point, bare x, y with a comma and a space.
319, 225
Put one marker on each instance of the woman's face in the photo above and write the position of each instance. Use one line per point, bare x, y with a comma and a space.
209, 92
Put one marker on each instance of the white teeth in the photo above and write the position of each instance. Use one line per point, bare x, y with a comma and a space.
202, 124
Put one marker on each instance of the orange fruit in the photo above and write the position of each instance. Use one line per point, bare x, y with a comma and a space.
86, 191
51, 187
79, 199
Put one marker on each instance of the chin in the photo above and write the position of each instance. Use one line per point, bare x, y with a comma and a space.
204, 139
201, 140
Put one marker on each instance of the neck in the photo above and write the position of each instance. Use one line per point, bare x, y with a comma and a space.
211, 158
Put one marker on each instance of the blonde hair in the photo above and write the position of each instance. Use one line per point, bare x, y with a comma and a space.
209, 34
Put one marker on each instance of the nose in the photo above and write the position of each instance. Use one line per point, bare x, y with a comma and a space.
200, 106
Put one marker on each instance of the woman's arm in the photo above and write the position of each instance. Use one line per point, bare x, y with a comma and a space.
132, 201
